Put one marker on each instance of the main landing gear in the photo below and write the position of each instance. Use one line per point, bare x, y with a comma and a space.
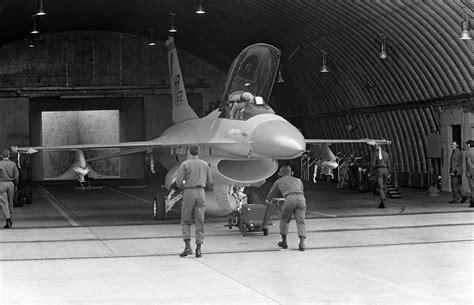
23, 196
158, 209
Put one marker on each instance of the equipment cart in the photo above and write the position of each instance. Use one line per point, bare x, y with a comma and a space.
253, 217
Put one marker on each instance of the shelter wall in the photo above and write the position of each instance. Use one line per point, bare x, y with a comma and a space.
96, 70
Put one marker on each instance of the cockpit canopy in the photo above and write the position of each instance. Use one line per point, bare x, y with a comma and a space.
250, 82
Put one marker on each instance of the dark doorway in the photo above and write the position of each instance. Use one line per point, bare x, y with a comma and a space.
456, 134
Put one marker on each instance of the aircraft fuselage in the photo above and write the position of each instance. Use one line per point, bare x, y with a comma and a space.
265, 136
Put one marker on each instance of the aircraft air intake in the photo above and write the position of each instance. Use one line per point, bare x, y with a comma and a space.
277, 140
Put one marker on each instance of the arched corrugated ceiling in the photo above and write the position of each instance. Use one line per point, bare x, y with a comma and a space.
398, 98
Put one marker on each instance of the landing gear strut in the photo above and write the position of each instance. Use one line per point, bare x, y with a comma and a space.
163, 206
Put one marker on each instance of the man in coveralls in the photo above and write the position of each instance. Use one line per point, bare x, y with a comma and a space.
292, 189
193, 175
8, 184
381, 165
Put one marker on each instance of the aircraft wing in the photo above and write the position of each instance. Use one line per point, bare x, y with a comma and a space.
121, 153
330, 141
320, 148
31, 150
139, 146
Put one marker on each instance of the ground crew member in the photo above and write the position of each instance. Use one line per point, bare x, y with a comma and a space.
455, 171
193, 175
470, 170
381, 166
295, 203
8, 185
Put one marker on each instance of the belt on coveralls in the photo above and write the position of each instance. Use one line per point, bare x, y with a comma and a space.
194, 187
293, 193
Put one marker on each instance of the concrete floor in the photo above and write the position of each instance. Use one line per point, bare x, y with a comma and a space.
102, 246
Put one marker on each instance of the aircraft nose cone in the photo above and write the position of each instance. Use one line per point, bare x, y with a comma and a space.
277, 139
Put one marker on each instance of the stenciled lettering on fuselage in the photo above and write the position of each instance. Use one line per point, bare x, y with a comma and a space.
234, 130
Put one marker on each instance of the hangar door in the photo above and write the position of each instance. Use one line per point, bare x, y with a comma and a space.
139, 119
58, 121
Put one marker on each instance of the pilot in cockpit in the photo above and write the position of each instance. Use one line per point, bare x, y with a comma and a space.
243, 105
239, 100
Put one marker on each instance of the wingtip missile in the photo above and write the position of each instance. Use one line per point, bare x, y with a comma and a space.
24, 150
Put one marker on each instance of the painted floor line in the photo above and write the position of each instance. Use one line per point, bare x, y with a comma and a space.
323, 214
129, 195
275, 249
54, 202
234, 233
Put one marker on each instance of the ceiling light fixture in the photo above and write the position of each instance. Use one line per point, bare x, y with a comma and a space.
152, 40
466, 33
383, 47
200, 9
172, 27
324, 67
41, 11
35, 27
31, 43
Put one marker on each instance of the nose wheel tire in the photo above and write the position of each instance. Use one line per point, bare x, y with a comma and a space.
243, 229
363, 186
19, 199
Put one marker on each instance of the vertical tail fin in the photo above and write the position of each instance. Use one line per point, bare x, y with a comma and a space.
181, 110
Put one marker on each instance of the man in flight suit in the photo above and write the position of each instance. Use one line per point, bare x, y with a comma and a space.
381, 165
8, 184
193, 175
295, 203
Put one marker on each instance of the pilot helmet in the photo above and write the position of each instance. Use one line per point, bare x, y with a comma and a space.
235, 96
246, 97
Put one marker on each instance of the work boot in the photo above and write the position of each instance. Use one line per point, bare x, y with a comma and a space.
464, 199
472, 204
198, 250
8, 223
301, 246
187, 248
381, 205
282, 243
